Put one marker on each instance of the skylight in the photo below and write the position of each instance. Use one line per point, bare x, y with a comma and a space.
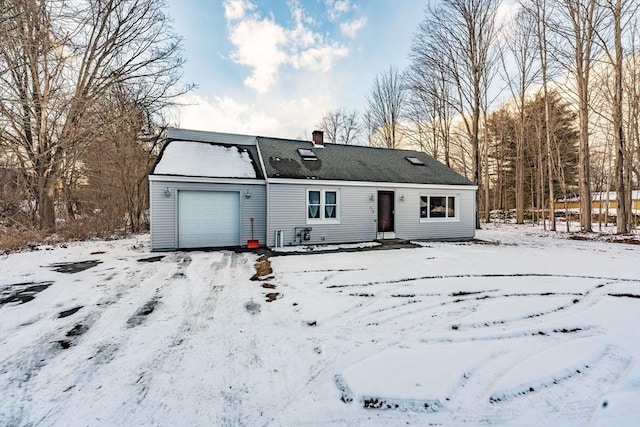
307, 154
415, 161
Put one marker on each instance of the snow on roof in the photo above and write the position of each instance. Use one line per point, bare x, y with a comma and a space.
192, 158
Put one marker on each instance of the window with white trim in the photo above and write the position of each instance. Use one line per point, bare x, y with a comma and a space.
437, 207
322, 206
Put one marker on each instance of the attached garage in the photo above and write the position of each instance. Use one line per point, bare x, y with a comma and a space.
208, 219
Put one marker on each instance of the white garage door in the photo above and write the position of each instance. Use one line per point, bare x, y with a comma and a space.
208, 218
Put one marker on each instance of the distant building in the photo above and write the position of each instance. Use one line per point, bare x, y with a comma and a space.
600, 202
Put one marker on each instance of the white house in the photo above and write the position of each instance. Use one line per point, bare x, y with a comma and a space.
211, 189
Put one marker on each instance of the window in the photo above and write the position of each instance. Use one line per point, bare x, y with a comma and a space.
437, 207
307, 154
322, 206
415, 161
314, 205
330, 204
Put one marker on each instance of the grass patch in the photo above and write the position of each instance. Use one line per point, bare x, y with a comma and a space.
263, 268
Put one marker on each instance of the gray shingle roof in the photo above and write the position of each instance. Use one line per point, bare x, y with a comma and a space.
353, 163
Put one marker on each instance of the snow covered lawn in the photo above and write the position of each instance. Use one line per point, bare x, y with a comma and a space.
523, 329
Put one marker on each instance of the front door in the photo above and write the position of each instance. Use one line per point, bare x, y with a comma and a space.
385, 211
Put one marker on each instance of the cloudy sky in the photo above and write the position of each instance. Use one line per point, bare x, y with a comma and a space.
273, 67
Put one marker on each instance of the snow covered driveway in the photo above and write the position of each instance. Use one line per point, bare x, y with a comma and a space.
510, 332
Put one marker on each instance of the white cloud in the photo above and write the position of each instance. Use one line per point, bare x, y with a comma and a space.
259, 45
335, 8
351, 28
301, 36
265, 46
321, 58
236, 9
223, 114
267, 116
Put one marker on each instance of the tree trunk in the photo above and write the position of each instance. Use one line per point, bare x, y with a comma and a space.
583, 160
621, 217
46, 203
520, 167
487, 186
548, 139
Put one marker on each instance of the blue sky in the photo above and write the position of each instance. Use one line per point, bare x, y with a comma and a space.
273, 67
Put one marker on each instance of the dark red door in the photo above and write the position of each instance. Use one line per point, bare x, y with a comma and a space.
385, 211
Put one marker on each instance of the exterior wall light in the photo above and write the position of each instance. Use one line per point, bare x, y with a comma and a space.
167, 192
247, 194
402, 197
371, 197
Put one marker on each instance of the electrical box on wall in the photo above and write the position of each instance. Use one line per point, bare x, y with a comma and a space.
303, 234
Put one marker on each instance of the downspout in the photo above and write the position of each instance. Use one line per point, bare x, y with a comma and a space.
266, 180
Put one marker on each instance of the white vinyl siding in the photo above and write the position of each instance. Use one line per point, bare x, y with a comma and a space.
208, 219
288, 209
409, 225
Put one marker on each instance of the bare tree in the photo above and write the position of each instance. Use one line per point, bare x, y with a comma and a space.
611, 37
429, 106
460, 34
577, 29
351, 128
57, 59
384, 109
541, 13
621, 217
340, 126
520, 49
119, 159
632, 105
330, 125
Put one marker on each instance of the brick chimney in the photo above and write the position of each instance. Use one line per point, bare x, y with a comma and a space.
318, 138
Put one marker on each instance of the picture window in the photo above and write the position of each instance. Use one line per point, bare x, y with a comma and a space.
437, 207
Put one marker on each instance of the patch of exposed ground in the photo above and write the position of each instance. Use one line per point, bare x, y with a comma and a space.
628, 239
67, 313
74, 267
272, 296
252, 307
78, 330
22, 292
141, 314
151, 259
263, 269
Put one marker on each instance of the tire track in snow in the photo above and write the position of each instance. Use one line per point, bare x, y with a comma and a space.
103, 351
489, 275
555, 395
26, 366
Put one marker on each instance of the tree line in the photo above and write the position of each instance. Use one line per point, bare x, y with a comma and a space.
83, 87
530, 106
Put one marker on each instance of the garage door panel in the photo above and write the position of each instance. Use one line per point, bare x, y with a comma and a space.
208, 219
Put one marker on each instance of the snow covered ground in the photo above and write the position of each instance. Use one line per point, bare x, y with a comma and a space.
520, 329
